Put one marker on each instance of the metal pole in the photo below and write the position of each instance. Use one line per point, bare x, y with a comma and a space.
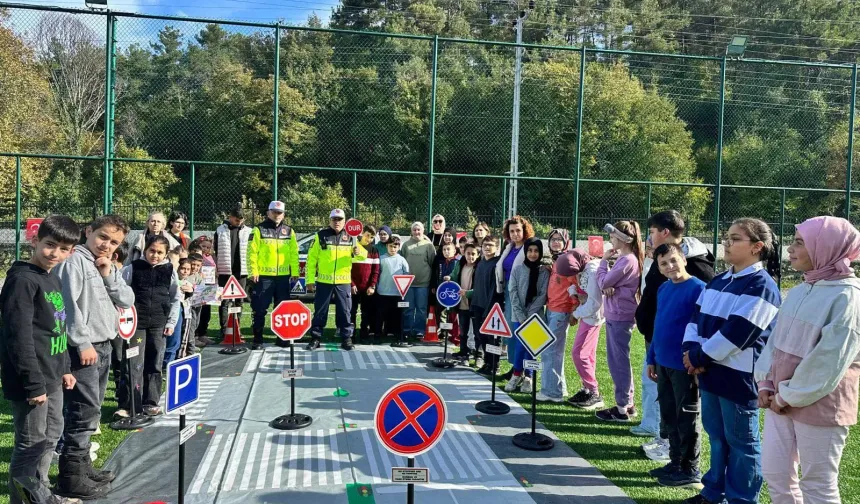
851, 118
354, 194
505, 199
432, 128
648, 203
181, 494
410, 489
782, 233
112, 114
576, 174
515, 126
18, 210
718, 181
275, 113
191, 210
107, 146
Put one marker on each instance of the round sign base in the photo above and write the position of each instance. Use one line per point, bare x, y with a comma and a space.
493, 408
443, 363
233, 350
292, 422
133, 423
401, 344
533, 442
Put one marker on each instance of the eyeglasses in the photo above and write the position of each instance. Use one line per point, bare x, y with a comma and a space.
438, 221
337, 218
728, 242
560, 240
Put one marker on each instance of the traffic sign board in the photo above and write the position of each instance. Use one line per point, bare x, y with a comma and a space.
233, 290
299, 287
495, 323
183, 382
354, 228
410, 475
403, 282
410, 418
448, 294
290, 320
127, 322
535, 335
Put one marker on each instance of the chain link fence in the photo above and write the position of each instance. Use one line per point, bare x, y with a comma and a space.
184, 114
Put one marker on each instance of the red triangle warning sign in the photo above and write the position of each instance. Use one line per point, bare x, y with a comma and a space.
403, 282
495, 323
233, 290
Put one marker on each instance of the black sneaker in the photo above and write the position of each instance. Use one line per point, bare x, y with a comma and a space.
460, 355
592, 401
682, 478
313, 345
612, 415
506, 376
485, 370
578, 397
699, 499
256, 346
667, 469
347, 344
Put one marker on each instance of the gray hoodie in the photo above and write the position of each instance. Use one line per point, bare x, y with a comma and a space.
519, 287
91, 300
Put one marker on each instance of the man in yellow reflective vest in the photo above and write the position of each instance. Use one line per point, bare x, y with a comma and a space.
329, 271
273, 265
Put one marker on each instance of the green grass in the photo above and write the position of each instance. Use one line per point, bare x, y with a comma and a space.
609, 447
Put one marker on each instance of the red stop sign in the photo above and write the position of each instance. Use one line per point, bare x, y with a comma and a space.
290, 320
354, 228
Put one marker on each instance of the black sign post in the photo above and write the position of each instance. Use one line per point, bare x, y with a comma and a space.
293, 420
533, 441
493, 407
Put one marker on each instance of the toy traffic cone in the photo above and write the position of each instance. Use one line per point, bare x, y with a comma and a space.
232, 334
430, 335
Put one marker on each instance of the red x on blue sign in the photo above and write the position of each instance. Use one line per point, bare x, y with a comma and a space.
410, 418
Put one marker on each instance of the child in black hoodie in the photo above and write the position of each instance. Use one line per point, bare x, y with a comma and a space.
34, 363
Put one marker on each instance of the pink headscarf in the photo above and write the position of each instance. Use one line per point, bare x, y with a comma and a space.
832, 243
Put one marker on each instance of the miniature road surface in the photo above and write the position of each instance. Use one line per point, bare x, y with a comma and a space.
236, 457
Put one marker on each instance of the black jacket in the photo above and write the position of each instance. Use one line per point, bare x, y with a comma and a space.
151, 286
33, 340
700, 264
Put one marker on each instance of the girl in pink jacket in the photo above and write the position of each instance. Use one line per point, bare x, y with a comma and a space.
808, 372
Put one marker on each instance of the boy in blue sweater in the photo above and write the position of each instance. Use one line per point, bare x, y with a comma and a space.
677, 391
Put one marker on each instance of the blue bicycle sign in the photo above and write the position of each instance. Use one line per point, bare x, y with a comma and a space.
448, 294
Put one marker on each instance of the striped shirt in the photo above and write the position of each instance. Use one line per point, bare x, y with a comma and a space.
732, 320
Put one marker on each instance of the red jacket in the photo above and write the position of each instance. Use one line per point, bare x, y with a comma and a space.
365, 274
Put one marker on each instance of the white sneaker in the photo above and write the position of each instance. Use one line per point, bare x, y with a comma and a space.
660, 453
653, 443
544, 398
98, 430
94, 449
513, 383
526, 386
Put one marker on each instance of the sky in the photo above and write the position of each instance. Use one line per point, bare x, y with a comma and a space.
293, 12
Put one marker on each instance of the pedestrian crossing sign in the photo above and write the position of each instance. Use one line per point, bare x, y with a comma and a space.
495, 323
233, 290
535, 335
299, 287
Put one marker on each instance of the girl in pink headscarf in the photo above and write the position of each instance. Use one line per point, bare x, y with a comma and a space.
809, 371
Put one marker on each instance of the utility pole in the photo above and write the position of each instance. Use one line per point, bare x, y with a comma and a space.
515, 127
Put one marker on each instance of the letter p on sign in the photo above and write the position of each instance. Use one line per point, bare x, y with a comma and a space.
183, 382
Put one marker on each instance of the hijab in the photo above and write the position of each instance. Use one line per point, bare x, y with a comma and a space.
565, 236
832, 243
571, 262
533, 266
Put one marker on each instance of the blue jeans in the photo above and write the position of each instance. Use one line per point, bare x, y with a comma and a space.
415, 317
266, 288
173, 341
552, 359
735, 473
342, 306
650, 406
517, 352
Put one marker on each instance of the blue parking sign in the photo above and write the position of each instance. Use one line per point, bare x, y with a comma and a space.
183, 382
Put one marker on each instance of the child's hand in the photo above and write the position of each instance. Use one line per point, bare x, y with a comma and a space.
609, 291
462, 293
168, 330
69, 381
89, 357
776, 408
609, 254
186, 288
370, 291
446, 278
573, 320
38, 400
103, 264
354, 290
765, 397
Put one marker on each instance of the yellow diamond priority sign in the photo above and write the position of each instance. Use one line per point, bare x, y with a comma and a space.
535, 335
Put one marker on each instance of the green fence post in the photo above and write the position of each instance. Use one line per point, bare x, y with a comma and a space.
109, 49
781, 233
851, 117
504, 199
432, 128
354, 193
718, 182
276, 112
112, 116
580, 107
18, 209
191, 210
648, 202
